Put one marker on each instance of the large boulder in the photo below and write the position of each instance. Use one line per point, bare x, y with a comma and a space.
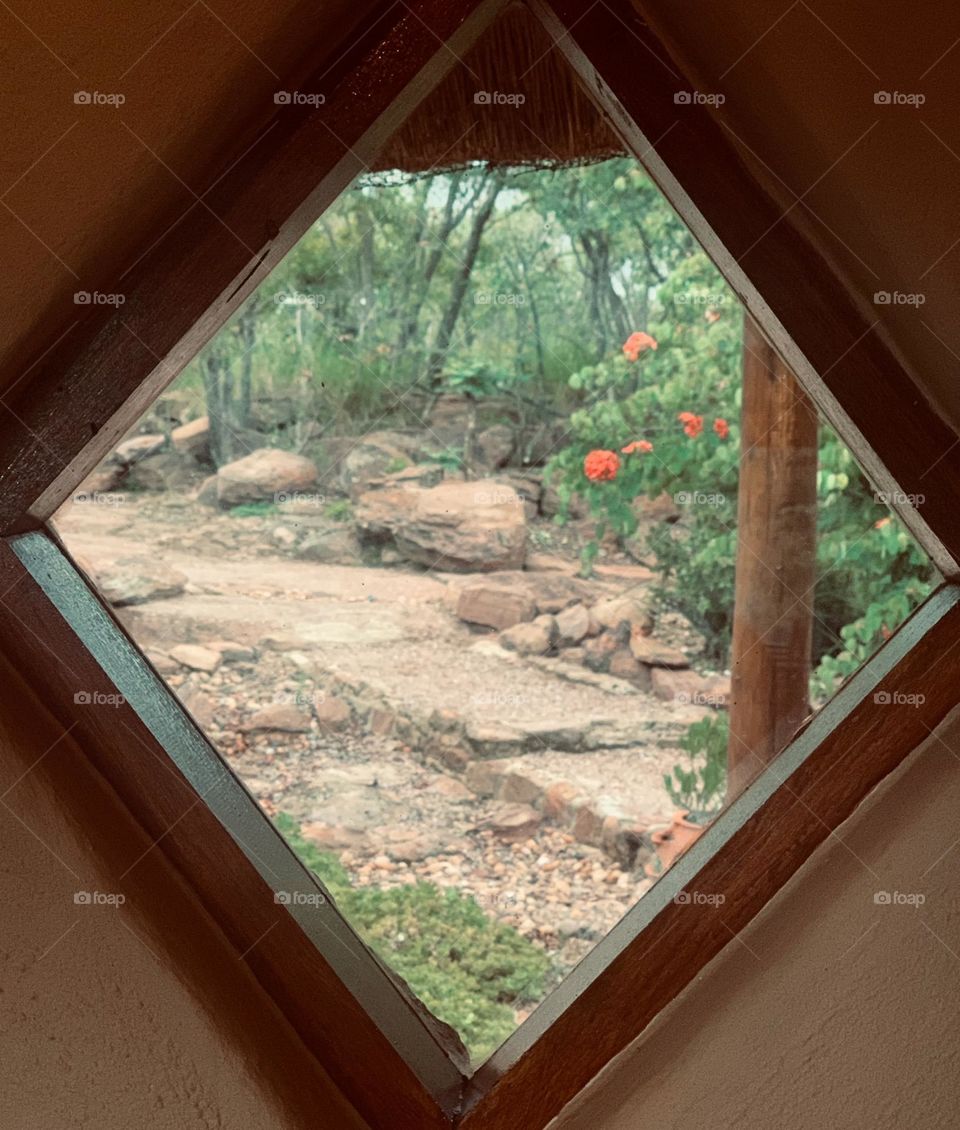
462, 527
266, 475
495, 605
139, 447
372, 457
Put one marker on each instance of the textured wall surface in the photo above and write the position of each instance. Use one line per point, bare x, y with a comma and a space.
832, 1009
137, 1015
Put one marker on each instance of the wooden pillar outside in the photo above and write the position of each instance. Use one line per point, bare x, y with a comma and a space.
776, 562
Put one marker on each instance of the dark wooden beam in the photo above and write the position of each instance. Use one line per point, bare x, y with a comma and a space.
746, 856
787, 283
361, 1027
82, 396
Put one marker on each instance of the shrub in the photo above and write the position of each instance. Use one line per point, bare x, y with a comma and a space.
468, 970
700, 787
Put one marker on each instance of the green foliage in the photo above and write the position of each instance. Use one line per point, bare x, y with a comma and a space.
468, 970
253, 510
340, 510
871, 573
699, 786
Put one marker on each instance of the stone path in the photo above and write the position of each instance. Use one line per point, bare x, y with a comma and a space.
446, 758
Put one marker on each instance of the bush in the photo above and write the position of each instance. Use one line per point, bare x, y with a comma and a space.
468, 970
700, 787
663, 418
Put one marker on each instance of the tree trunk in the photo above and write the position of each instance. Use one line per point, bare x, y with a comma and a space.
462, 279
776, 562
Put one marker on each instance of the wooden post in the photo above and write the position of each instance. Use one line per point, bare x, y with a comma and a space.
776, 562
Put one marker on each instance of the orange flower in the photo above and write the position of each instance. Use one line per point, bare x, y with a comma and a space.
601, 466
637, 445
712, 316
636, 343
692, 424
880, 523
721, 427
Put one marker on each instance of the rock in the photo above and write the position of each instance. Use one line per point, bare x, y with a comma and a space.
518, 789
332, 713
280, 716
266, 475
105, 478
633, 610
494, 446
624, 666
553, 735
484, 777
550, 504
140, 447
451, 789
573, 624
654, 653
659, 509
193, 439
493, 740
200, 705
333, 546
162, 662
475, 527
547, 563
195, 657
572, 654
371, 458
495, 604
690, 689
419, 475
558, 798
231, 651
334, 837
513, 822
598, 651
164, 471
134, 581
207, 492
283, 536
535, 638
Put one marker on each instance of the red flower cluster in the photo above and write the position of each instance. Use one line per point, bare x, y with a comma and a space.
721, 427
692, 424
636, 343
601, 466
643, 445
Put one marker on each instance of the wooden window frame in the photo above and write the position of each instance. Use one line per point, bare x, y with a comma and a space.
384, 1053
